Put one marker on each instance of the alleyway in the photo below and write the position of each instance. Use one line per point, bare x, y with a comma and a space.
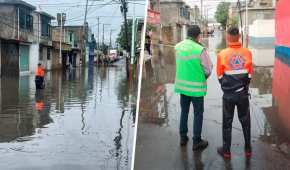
158, 140
82, 120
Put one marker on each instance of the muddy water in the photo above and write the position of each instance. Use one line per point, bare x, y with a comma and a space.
82, 120
158, 139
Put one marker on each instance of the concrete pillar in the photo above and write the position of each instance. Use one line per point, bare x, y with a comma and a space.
0, 57
44, 57
48, 65
33, 57
184, 32
175, 33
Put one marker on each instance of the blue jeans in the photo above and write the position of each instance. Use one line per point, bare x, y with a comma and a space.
198, 105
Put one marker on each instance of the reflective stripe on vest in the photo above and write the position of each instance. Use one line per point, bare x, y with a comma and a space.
187, 57
190, 83
233, 72
177, 86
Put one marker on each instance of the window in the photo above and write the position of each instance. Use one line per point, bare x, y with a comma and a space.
48, 54
184, 12
40, 53
70, 37
25, 20
45, 26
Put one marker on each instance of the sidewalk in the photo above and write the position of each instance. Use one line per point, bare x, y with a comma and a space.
158, 139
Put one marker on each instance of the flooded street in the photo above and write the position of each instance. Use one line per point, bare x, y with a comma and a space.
158, 138
83, 119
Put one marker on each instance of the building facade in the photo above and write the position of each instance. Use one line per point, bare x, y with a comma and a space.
25, 38
16, 36
74, 46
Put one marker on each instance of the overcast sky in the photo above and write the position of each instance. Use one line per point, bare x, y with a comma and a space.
209, 4
107, 10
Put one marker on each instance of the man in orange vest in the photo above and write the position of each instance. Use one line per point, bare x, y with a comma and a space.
234, 70
39, 77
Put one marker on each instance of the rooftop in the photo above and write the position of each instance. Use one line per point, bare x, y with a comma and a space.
45, 14
18, 2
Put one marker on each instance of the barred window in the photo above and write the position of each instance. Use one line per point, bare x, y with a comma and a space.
25, 20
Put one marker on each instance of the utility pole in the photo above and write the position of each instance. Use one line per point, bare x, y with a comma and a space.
111, 39
124, 10
98, 33
246, 25
60, 38
201, 9
103, 43
86, 13
84, 29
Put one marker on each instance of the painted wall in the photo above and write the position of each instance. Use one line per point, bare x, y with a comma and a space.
282, 23
262, 28
0, 61
33, 57
262, 33
281, 74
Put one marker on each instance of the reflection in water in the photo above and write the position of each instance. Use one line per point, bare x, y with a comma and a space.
87, 113
197, 160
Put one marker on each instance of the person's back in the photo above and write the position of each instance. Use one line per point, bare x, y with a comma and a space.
193, 66
234, 68
189, 69
39, 71
234, 71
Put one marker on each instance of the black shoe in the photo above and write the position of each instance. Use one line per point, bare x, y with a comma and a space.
183, 140
222, 153
201, 145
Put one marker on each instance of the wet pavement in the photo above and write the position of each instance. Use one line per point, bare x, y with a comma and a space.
158, 139
84, 119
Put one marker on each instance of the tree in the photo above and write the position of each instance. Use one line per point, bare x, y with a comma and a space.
233, 21
222, 13
121, 39
104, 48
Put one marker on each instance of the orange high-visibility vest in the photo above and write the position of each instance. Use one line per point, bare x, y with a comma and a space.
39, 72
234, 67
234, 60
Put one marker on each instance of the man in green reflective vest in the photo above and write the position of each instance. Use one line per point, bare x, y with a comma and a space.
193, 67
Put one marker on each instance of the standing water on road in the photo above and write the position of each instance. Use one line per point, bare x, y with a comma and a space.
83, 119
158, 138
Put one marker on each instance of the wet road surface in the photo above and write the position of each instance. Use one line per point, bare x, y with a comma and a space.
158, 138
84, 119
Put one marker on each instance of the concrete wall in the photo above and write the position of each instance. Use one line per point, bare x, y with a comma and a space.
10, 58
169, 13
262, 33
33, 57
8, 22
0, 64
55, 60
263, 57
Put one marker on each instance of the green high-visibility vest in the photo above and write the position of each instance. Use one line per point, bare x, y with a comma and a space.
190, 77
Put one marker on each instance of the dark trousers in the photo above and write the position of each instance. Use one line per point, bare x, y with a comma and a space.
198, 105
241, 101
39, 82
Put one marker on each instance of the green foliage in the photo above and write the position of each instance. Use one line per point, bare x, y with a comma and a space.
233, 21
121, 39
222, 13
104, 48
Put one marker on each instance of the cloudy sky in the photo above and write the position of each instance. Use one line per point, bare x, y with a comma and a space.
107, 10
210, 5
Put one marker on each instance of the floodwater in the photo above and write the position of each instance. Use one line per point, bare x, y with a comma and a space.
83, 119
158, 138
